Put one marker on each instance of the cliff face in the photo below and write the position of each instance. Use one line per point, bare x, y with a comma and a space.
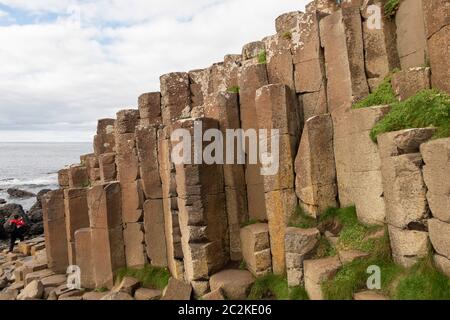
129, 204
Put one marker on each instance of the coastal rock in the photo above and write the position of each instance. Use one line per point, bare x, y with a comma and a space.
2, 201
19, 194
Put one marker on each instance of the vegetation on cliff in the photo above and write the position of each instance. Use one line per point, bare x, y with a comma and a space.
275, 287
383, 95
391, 7
428, 108
149, 276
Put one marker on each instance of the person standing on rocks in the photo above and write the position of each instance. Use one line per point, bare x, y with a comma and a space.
17, 227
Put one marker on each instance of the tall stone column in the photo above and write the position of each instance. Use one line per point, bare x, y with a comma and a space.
55, 231
107, 238
128, 174
277, 111
202, 209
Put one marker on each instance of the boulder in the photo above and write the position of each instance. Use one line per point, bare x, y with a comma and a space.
348, 256
94, 295
408, 246
34, 290
235, 284
301, 241
177, 290
128, 285
407, 83
54, 280
147, 294
440, 236
256, 248
19, 194
117, 296
443, 264
317, 272
215, 295
369, 295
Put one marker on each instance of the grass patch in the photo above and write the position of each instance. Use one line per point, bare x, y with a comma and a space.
149, 276
234, 89
353, 276
275, 287
243, 265
353, 233
428, 108
423, 282
101, 290
383, 95
262, 57
391, 7
324, 249
300, 219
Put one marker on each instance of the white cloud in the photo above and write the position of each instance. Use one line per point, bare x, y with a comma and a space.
60, 77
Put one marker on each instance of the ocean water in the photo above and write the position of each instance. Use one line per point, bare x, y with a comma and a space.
34, 166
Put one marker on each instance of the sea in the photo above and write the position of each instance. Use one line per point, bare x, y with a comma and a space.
34, 166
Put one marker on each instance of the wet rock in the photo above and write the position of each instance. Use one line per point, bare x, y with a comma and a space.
19, 194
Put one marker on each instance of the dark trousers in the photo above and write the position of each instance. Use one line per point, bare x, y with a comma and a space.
16, 234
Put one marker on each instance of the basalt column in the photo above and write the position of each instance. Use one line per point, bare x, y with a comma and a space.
224, 107
201, 202
147, 146
131, 189
107, 237
252, 76
175, 102
277, 111
55, 231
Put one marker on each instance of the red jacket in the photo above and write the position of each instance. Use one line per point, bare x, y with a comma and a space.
18, 222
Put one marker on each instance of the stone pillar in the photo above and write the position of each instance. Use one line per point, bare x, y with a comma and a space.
380, 47
437, 29
170, 205
315, 167
405, 193
276, 111
93, 168
78, 177
411, 38
104, 141
63, 178
84, 258
256, 249
107, 166
202, 211
150, 108
358, 165
176, 99
309, 62
342, 40
154, 224
224, 107
105, 216
436, 155
407, 83
55, 231
251, 78
76, 216
128, 173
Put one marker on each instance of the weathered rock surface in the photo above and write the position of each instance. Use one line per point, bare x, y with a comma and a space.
235, 284
317, 272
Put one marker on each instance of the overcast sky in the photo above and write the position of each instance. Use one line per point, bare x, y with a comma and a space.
66, 63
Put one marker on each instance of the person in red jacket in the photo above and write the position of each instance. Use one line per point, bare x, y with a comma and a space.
18, 230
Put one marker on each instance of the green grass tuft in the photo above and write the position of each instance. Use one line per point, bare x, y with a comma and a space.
391, 7
262, 57
234, 89
423, 282
383, 95
149, 276
275, 287
324, 249
428, 108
